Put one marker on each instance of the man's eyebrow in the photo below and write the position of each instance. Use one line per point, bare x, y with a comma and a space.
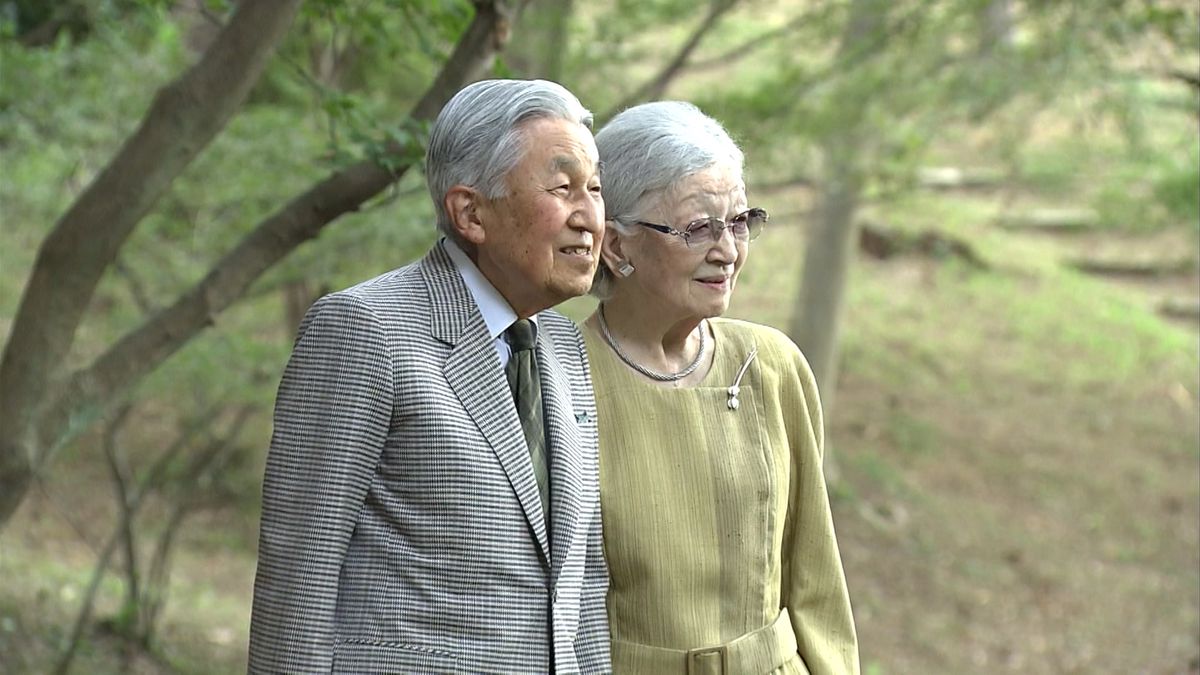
564, 163
569, 164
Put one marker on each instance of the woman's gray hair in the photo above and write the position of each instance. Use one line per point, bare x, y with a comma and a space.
477, 137
646, 152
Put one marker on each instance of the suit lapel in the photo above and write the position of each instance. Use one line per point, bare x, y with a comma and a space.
565, 453
473, 371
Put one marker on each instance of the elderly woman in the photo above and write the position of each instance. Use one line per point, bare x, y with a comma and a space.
717, 525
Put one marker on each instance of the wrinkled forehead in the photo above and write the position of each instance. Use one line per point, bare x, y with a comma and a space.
713, 191
555, 145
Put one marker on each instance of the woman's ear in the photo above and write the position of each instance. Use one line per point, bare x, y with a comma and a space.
612, 253
463, 205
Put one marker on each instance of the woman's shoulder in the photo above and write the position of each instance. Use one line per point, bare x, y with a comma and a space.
766, 338
774, 346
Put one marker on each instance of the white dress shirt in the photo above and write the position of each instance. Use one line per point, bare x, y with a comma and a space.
497, 313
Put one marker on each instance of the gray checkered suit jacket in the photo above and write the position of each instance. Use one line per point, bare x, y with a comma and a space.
402, 530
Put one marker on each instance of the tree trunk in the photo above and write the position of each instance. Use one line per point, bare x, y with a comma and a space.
997, 33
829, 253
554, 47
123, 491
828, 256
540, 47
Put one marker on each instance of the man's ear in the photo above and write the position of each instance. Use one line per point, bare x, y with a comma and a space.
463, 205
611, 253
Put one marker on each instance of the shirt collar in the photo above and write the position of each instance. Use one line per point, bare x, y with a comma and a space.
497, 313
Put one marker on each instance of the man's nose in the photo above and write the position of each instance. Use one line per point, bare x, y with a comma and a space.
588, 215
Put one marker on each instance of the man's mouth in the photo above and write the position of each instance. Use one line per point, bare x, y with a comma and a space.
581, 251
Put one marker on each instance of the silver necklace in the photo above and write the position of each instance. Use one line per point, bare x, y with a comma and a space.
654, 374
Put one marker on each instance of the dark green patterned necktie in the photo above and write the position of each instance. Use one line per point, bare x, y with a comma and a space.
522, 373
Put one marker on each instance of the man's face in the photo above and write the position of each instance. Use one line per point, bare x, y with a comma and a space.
541, 243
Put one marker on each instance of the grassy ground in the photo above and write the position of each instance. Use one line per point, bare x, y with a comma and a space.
1019, 461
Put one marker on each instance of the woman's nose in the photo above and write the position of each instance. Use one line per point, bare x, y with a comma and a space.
725, 247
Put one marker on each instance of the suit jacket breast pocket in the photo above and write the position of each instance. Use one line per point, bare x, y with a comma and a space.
375, 657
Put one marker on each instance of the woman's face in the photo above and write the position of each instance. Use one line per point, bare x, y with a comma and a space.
693, 280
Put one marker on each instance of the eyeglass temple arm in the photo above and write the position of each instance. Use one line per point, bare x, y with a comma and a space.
660, 228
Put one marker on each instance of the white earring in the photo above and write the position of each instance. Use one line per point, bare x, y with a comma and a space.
625, 268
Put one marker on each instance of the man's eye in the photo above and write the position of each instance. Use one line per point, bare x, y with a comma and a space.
595, 188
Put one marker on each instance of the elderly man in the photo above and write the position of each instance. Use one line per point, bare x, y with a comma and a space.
430, 501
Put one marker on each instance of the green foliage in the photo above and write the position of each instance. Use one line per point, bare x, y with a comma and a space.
338, 46
331, 62
1177, 23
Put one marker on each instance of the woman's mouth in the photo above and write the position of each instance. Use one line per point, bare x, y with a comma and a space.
715, 283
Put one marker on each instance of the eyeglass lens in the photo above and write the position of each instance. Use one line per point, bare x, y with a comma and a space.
745, 226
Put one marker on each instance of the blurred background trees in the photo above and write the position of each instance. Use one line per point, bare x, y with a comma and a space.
945, 178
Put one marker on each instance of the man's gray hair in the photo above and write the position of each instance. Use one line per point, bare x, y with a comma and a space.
477, 137
647, 151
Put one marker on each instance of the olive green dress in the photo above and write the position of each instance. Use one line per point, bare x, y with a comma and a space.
717, 519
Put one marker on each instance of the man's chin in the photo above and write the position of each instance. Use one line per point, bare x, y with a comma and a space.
572, 288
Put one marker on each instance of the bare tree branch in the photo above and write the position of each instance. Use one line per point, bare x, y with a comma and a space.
132, 503
754, 44
1178, 75
206, 466
89, 600
478, 46
850, 57
183, 118
124, 494
137, 289
655, 86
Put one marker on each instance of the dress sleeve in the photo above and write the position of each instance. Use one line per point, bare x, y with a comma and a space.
332, 415
814, 583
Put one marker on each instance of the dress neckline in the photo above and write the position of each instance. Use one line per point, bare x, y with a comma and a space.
711, 379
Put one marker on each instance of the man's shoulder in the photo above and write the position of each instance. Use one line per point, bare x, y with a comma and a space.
391, 297
386, 285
